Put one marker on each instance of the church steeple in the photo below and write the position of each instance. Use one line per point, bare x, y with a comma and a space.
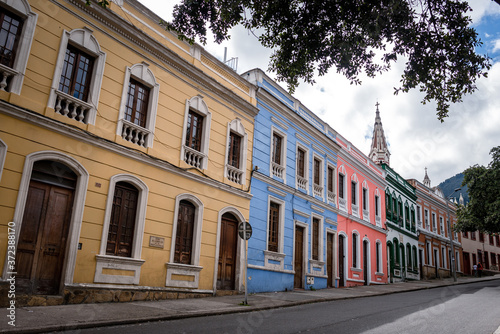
379, 152
427, 180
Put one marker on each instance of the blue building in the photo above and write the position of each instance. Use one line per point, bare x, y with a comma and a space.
292, 212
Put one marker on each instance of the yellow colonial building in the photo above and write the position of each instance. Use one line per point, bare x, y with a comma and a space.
125, 157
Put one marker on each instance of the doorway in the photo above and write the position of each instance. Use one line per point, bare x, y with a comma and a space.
341, 260
330, 259
226, 273
466, 261
298, 278
421, 267
41, 248
436, 263
365, 262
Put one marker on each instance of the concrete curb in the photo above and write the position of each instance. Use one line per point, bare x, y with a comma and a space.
203, 313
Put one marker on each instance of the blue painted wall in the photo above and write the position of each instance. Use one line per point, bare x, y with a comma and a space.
262, 279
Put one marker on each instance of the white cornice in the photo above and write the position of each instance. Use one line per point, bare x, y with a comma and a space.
88, 138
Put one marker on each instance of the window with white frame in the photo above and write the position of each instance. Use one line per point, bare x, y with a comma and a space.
185, 247
342, 189
318, 176
434, 226
316, 238
330, 180
365, 198
355, 250
441, 225
378, 251
139, 103
196, 133
78, 76
426, 214
274, 257
123, 230
354, 196
419, 216
378, 208
17, 24
302, 171
278, 154
237, 146
443, 258
428, 254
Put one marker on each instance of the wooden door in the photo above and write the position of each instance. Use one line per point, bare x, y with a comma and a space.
298, 279
365, 262
226, 272
329, 259
341, 261
42, 239
466, 261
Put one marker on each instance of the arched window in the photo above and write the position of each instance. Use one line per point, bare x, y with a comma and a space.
196, 134
236, 152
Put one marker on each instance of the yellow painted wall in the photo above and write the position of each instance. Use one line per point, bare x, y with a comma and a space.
23, 138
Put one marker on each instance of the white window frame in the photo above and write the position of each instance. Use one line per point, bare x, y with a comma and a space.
434, 222
320, 192
197, 104
283, 153
378, 249
276, 256
378, 218
364, 186
193, 269
441, 225
3, 155
444, 255
320, 239
134, 262
428, 258
419, 216
237, 175
18, 70
144, 75
427, 224
85, 40
306, 167
342, 200
331, 197
357, 245
354, 207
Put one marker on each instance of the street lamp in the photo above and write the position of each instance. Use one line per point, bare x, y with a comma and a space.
453, 269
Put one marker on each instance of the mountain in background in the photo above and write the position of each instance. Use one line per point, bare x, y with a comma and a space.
448, 187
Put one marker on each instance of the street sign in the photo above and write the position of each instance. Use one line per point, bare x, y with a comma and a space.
241, 230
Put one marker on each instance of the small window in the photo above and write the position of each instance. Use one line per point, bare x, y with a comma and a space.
365, 199
465, 235
194, 130
17, 28
278, 154
354, 250
481, 236
236, 159
473, 235
377, 204
76, 74
277, 147
315, 238
331, 183
195, 138
234, 150
184, 233
353, 193
10, 33
434, 226
136, 109
341, 186
441, 225
317, 172
301, 161
273, 233
378, 251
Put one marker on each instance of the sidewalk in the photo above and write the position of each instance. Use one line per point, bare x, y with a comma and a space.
64, 317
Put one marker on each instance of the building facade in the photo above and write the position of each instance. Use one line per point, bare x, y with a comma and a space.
125, 156
293, 210
480, 247
361, 219
433, 213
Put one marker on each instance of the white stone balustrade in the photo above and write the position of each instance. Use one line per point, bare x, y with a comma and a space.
355, 210
193, 157
234, 174
301, 183
318, 190
6, 73
72, 107
134, 133
331, 196
278, 170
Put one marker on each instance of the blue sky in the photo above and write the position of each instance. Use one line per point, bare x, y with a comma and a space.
417, 139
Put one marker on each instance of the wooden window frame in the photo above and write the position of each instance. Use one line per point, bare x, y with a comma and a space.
69, 79
273, 230
301, 162
184, 236
341, 185
315, 224
136, 108
236, 159
13, 37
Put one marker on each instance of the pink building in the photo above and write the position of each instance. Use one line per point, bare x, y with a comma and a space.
361, 218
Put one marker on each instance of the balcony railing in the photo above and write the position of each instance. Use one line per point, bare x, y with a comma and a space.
193, 157
301, 183
342, 203
318, 190
7, 73
355, 210
331, 196
378, 221
366, 215
134, 133
278, 170
234, 174
72, 107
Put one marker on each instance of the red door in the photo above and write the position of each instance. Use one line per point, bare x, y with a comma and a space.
42, 239
226, 272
